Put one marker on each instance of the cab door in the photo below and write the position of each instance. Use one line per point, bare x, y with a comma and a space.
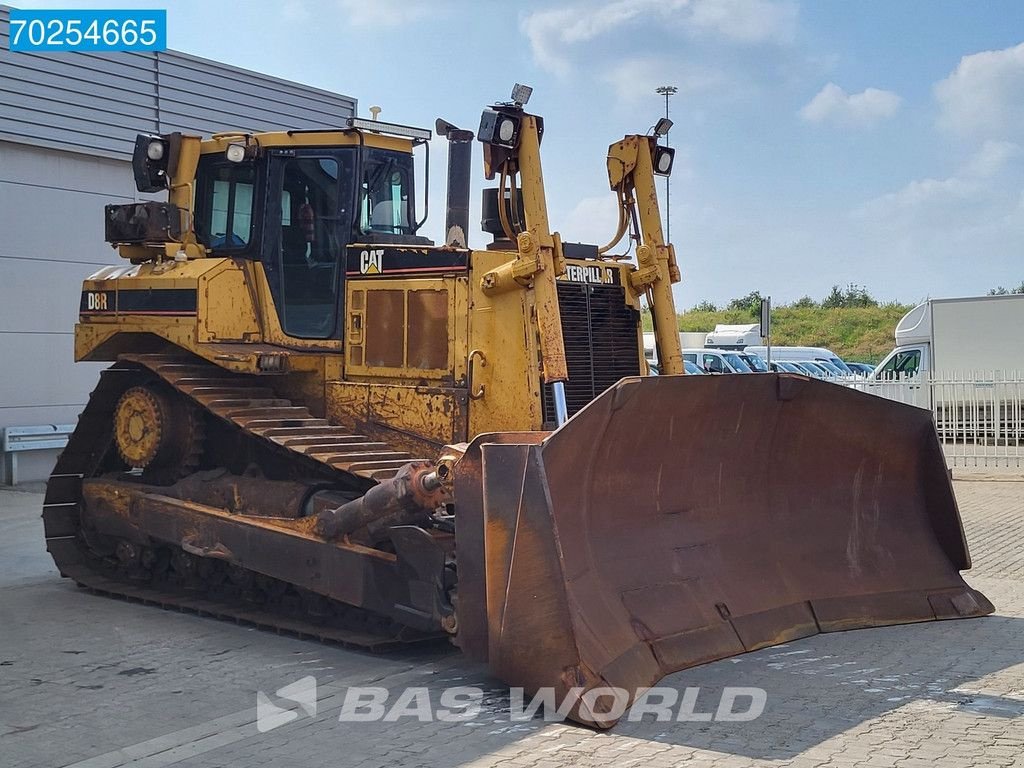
308, 225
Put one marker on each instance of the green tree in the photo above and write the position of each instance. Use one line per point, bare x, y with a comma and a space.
853, 296
858, 296
704, 306
834, 300
749, 303
805, 302
1000, 291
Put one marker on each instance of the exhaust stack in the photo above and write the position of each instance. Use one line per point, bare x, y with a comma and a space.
460, 156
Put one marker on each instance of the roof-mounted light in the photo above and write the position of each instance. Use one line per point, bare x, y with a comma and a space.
521, 94
376, 126
235, 153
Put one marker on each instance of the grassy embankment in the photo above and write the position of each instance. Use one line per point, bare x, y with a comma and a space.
863, 333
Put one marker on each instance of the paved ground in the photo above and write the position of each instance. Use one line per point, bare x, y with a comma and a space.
94, 682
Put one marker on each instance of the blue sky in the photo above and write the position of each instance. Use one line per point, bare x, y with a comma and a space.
819, 143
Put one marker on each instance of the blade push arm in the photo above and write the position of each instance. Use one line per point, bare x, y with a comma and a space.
511, 140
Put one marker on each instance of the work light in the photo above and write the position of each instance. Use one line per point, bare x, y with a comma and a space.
663, 159
150, 161
500, 129
235, 153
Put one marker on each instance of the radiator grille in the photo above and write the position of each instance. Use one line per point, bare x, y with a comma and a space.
601, 347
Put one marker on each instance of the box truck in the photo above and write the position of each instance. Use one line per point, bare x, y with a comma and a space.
976, 334
963, 359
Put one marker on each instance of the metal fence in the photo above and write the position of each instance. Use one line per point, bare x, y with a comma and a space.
979, 415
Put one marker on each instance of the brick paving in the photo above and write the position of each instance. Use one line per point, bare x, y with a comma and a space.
95, 682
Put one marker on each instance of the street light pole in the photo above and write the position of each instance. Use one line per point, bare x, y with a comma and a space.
667, 91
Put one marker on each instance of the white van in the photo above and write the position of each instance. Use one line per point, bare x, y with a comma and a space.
803, 353
687, 339
716, 360
733, 336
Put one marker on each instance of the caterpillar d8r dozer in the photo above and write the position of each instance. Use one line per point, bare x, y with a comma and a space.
317, 420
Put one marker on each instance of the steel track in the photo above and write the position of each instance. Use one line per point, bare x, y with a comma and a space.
245, 403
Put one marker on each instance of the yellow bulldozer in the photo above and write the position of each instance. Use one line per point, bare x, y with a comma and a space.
318, 420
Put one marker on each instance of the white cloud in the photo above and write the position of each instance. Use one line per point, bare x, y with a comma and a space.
992, 158
747, 21
554, 31
970, 191
984, 95
385, 13
862, 109
592, 220
634, 80
544, 29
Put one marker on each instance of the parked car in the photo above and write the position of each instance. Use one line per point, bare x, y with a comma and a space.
796, 354
860, 369
784, 366
832, 370
688, 367
716, 361
811, 368
754, 362
736, 359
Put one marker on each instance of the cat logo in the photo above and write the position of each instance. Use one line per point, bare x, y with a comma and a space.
97, 302
370, 262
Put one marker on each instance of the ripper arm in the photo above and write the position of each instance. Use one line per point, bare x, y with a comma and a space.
631, 175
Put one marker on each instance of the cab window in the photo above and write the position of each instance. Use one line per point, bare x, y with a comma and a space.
902, 364
386, 193
224, 205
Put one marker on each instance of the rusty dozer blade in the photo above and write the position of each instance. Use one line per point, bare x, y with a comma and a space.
681, 519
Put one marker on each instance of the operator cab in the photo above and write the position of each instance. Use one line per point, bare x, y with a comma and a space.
294, 201
297, 205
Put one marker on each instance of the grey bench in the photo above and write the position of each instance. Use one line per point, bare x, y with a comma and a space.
14, 440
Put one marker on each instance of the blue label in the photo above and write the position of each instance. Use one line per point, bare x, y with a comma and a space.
115, 30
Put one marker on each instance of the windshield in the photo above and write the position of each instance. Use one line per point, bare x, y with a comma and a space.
736, 362
692, 367
829, 367
838, 363
224, 203
755, 363
903, 363
386, 194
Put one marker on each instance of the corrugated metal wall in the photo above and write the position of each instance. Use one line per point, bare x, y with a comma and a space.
96, 103
67, 127
201, 96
